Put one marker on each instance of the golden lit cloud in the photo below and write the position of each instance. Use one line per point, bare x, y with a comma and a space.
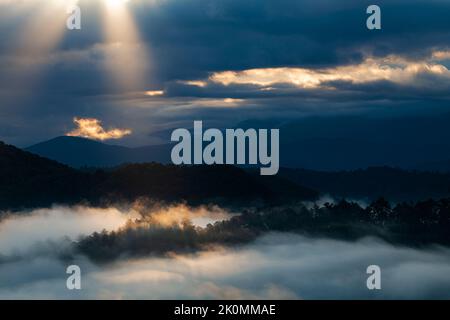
233, 101
196, 83
178, 215
154, 93
441, 55
392, 69
92, 129
213, 103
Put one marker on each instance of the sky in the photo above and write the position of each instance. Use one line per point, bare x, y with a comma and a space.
139, 68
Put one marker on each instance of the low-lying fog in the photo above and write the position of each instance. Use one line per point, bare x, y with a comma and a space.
276, 266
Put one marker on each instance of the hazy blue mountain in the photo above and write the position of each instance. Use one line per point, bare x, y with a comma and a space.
438, 166
371, 183
79, 152
352, 142
315, 143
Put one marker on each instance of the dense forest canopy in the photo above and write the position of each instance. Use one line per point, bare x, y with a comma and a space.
420, 224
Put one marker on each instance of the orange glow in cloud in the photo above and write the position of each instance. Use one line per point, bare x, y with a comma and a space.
92, 129
195, 83
391, 68
154, 93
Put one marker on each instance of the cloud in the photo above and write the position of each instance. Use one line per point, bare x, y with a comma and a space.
92, 129
392, 68
168, 216
302, 37
19, 232
154, 93
274, 267
195, 83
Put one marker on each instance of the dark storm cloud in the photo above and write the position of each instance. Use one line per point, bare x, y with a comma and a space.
237, 35
191, 39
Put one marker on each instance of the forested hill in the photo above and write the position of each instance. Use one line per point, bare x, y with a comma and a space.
372, 183
28, 180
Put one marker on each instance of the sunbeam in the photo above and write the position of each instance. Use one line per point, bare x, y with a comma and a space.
126, 55
115, 3
36, 41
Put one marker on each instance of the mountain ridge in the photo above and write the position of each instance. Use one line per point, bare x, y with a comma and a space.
28, 180
81, 152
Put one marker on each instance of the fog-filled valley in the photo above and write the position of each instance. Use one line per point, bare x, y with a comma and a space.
149, 250
150, 231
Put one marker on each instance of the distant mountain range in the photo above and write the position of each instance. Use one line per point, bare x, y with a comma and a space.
28, 180
80, 152
320, 153
314, 143
335, 143
391, 183
438, 166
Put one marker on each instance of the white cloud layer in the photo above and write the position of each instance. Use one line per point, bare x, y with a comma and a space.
275, 267
20, 232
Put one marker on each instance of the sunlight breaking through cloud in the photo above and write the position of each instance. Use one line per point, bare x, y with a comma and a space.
391, 68
36, 39
128, 58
